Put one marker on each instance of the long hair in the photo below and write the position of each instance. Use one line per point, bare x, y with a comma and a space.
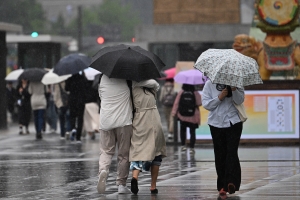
149, 90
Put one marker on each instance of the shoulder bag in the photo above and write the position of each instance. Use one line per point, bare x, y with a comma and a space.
242, 111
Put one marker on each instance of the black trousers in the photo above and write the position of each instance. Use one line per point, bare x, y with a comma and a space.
226, 142
183, 126
76, 117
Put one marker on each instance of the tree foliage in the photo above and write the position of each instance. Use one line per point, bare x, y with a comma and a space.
28, 13
108, 18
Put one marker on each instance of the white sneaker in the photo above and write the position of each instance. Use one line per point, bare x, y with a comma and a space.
170, 136
101, 186
123, 189
192, 151
183, 148
62, 138
67, 135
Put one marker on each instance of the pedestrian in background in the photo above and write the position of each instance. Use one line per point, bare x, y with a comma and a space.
186, 108
51, 113
226, 129
39, 105
11, 95
148, 145
63, 110
24, 106
167, 97
76, 86
115, 131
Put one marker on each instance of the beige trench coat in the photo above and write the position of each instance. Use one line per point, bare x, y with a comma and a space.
148, 139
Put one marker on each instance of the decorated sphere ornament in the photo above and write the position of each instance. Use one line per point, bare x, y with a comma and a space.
278, 13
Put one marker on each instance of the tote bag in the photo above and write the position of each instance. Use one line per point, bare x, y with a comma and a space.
242, 111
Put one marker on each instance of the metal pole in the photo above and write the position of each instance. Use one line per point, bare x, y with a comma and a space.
79, 30
3, 99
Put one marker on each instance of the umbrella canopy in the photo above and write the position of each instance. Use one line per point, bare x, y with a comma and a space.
191, 77
33, 74
90, 73
52, 78
14, 75
229, 67
127, 62
169, 73
72, 64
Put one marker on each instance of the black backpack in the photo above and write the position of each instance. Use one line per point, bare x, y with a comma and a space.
187, 103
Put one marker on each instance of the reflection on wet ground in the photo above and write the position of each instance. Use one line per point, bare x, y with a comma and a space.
55, 169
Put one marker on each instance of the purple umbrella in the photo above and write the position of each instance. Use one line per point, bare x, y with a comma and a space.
192, 77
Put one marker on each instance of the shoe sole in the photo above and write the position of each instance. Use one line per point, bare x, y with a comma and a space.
134, 186
101, 186
231, 188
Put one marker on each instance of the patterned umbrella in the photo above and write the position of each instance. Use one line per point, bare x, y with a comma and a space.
228, 67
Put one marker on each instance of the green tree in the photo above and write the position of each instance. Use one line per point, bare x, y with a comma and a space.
109, 17
28, 13
58, 27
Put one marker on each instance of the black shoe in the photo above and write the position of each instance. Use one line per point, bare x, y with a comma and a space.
39, 136
155, 191
134, 186
21, 133
231, 188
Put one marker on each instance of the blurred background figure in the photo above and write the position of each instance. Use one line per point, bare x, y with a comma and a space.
51, 113
38, 104
91, 111
76, 85
11, 95
63, 109
167, 97
24, 107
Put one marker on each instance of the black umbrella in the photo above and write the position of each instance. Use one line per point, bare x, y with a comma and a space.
127, 62
96, 81
33, 74
72, 64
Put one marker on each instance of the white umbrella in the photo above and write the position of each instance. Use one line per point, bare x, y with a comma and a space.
90, 73
52, 78
228, 67
14, 75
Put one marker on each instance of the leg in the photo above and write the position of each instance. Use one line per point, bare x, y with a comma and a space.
134, 181
124, 139
61, 115
80, 112
40, 119
193, 137
233, 167
182, 132
35, 116
219, 141
154, 175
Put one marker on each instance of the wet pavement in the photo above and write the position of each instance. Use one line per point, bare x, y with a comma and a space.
58, 169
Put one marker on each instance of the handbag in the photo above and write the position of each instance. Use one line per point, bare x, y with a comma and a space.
242, 111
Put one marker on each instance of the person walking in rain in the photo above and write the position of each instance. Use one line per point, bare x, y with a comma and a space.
76, 85
226, 129
24, 107
167, 97
148, 145
115, 131
186, 107
39, 105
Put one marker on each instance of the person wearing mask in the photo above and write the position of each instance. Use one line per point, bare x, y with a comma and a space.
148, 145
24, 107
38, 104
226, 129
115, 131
76, 86
186, 107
